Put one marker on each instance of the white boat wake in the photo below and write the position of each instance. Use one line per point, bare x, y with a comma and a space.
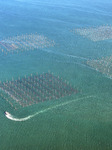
67, 55
11, 117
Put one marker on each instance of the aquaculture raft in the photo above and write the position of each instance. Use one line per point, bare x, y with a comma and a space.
98, 33
24, 43
103, 65
34, 89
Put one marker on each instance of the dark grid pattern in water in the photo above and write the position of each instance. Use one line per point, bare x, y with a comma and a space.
34, 89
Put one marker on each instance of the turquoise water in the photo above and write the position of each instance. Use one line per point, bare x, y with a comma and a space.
84, 123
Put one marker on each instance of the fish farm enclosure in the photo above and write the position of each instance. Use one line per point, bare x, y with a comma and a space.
95, 33
103, 65
34, 89
24, 43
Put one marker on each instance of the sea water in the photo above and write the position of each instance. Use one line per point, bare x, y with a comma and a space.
82, 121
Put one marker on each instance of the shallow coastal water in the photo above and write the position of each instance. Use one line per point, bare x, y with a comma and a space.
80, 121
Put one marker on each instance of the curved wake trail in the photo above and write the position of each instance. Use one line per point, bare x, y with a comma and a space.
11, 117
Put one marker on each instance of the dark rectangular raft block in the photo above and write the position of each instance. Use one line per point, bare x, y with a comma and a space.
36, 88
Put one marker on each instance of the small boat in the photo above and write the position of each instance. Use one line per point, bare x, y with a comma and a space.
7, 113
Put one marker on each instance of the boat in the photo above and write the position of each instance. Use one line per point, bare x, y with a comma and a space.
7, 113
